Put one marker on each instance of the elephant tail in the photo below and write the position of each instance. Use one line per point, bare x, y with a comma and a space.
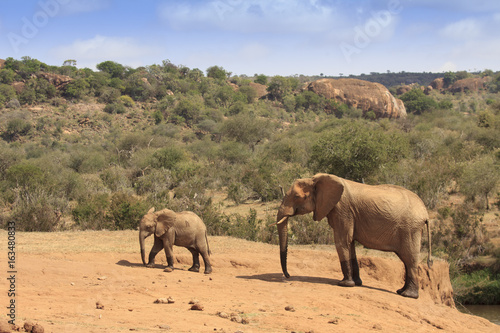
429, 260
208, 247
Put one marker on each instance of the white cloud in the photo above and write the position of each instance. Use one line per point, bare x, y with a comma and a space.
447, 67
100, 48
283, 16
464, 29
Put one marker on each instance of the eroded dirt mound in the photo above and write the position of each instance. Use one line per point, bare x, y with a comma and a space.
364, 95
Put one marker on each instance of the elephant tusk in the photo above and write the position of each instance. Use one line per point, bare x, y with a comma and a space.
279, 222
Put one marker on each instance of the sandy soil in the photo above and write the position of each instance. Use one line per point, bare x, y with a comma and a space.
62, 276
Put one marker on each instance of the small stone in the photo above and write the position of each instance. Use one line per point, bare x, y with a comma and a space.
334, 321
162, 300
194, 301
236, 318
170, 300
72, 283
197, 307
99, 305
223, 315
28, 326
377, 327
164, 327
290, 308
102, 278
37, 329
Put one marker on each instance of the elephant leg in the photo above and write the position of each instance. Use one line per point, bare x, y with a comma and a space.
196, 260
169, 251
206, 261
410, 288
355, 266
157, 246
349, 265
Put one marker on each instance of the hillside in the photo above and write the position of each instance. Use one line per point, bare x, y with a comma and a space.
94, 150
65, 274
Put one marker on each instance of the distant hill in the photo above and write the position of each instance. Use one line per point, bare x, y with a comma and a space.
395, 79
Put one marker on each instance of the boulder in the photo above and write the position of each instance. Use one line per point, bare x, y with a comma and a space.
472, 84
364, 95
57, 80
438, 84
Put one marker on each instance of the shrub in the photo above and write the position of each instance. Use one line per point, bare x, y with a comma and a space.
417, 102
90, 212
115, 108
125, 211
16, 128
356, 152
167, 157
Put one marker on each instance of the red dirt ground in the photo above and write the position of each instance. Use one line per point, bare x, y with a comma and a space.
61, 277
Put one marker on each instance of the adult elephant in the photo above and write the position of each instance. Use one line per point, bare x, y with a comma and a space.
382, 217
170, 228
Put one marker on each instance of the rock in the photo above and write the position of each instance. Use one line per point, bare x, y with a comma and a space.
194, 301
472, 84
197, 307
223, 315
236, 318
99, 305
164, 300
438, 84
102, 278
37, 329
290, 308
28, 326
364, 95
57, 80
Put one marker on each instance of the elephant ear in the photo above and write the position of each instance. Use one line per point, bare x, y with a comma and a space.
165, 220
328, 191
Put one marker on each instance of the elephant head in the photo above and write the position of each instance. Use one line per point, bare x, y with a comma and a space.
157, 223
318, 195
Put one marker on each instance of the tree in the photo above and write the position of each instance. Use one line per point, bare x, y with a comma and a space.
480, 178
217, 73
417, 102
356, 152
261, 79
281, 86
112, 68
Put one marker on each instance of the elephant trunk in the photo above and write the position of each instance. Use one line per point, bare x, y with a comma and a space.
143, 234
283, 240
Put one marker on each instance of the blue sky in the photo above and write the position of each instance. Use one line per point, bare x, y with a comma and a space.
280, 37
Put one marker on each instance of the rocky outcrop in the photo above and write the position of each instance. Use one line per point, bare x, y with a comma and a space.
438, 84
57, 80
472, 84
364, 95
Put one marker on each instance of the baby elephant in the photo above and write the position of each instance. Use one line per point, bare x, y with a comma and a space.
170, 228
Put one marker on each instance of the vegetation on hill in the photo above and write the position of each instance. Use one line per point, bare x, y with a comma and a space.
97, 149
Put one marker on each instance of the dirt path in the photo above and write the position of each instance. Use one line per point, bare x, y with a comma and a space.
61, 277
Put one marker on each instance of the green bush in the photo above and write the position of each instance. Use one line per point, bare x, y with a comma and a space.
90, 212
16, 128
115, 108
126, 211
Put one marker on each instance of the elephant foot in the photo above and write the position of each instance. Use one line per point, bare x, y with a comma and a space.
408, 292
358, 282
208, 270
347, 283
194, 269
150, 265
169, 269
